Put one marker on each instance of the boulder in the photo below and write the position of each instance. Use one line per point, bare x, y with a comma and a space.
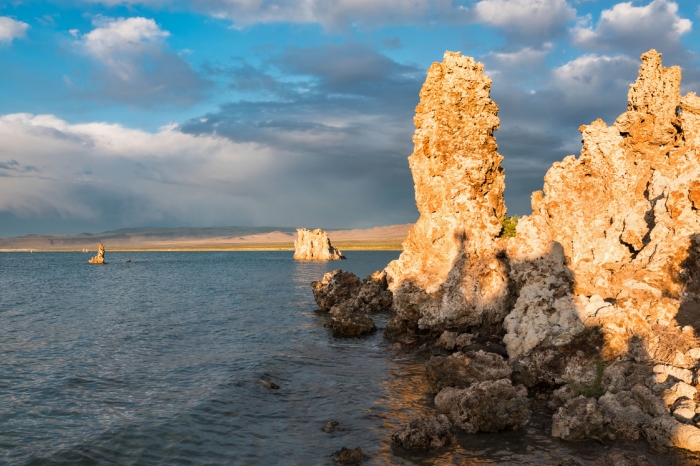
425, 433
335, 287
349, 319
100, 257
375, 294
314, 246
488, 406
460, 370
451, 340
348, 457
451, 273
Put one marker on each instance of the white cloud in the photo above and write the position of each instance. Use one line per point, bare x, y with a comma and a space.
634, 28
536, 19
137, 65
331, 14
591, 81
118, 42
52, 164
11, 29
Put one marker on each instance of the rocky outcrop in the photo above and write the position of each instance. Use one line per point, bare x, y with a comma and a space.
450, 273
335, 287
100, 257
463, 369
349, 301
314, 246
488, 406
426, 433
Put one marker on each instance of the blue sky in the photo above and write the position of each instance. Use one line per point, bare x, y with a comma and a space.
292, 113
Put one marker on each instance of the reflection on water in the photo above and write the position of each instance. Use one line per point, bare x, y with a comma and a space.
162, 361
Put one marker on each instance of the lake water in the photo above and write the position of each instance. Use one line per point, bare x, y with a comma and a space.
162, 361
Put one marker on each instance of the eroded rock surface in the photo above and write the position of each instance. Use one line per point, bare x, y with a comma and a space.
426, 433
463, 369
335, 287
349, 319
314, 246
488, 406
100, 257
449, 273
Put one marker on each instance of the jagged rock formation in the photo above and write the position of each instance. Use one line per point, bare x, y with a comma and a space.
426, 433
350, 301
314, 246
100, 257
449, 273
488, 406
597, 297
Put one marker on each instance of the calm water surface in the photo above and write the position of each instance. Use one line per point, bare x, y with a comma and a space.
162, 361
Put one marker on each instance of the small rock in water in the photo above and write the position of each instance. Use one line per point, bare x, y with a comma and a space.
332, 426
425, 433
349, 457
270, 385
128, 260
100, 257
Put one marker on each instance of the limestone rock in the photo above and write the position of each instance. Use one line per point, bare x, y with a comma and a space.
314, 246
668, 432
100, 257
463, 369
349, 319
335, 287
488, 406
581, 418
375, 294
451, 272
618, 226
426, 433
451, 340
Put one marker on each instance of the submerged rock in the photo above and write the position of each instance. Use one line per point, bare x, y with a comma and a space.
315, 246
349, 457
425, 433
488, 406
463, 369
100, 257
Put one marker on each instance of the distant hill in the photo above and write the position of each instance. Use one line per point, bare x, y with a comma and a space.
208, 238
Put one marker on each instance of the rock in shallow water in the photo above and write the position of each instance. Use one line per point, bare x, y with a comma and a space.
335, 287
425, 433
100, 257
315, 245
350, 320
349, 457
488, 406
463, 369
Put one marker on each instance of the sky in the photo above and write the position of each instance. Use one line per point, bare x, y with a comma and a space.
132, 113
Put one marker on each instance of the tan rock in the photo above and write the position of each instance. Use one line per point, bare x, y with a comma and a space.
449, 273
100, 257
314, 246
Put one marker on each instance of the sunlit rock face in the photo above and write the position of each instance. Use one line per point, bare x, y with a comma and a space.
314, 245
449, 274
100, 257
613, 239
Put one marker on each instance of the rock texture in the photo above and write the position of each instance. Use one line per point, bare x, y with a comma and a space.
449, 273
426, 433
314, 246
100, 257
463, 369
488, 406
349, 301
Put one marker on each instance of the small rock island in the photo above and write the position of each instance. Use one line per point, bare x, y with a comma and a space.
100, 257
315, 246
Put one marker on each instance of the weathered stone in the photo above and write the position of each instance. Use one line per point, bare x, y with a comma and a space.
426, 433
450, 272
335, 287
581, 418
452, 340
314, 246
349, 457
463, 369
666, 431
349, 319
100, 257
684, 410
488, 406
375, 294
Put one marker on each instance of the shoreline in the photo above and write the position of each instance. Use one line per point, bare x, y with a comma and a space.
234, 247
